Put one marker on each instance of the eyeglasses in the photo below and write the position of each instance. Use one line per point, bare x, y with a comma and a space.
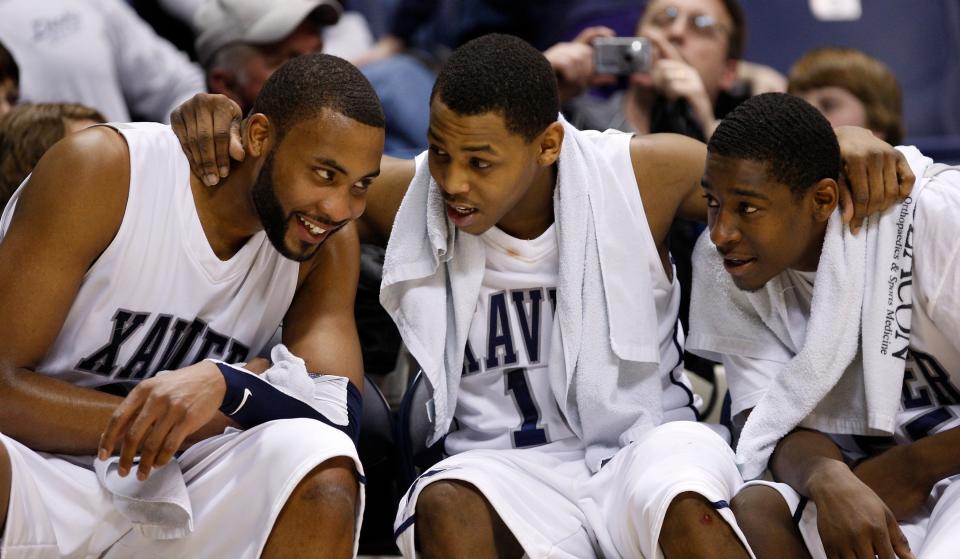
700, 24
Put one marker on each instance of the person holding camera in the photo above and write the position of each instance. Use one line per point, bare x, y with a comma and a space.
692, 52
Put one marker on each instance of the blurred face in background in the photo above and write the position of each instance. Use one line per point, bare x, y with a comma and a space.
700, 32
839, 106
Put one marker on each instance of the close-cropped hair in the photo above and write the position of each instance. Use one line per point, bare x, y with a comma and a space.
27, 132
501, 74
304, 86
784, 133
868, 79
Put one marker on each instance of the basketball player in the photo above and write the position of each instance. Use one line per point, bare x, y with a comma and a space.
518, 479
115, 264
770, 197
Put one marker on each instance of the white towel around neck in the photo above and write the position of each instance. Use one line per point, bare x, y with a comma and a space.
834, 383
604, 350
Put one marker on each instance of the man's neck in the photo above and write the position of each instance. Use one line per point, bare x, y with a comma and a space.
226, 211
533, 214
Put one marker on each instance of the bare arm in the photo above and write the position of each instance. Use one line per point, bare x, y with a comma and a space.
668, 168
851, 518
319, 326
65, 218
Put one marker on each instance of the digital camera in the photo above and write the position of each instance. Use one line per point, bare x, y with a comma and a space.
622, 56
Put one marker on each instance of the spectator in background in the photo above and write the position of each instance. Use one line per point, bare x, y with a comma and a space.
9, 81
697, 44
98, 53
241, 42
28, 131
850, 87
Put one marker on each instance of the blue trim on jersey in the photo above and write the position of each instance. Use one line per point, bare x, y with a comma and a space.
721, 504
404, 525
921, 426
798, 514
673, 380
361, 478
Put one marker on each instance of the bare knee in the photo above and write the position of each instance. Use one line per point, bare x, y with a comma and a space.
441, 504
759, 505
766, 521
693, 527
690, 509
332, 488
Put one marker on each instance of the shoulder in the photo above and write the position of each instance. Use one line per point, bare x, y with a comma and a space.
667, 158
83, 179
336, 263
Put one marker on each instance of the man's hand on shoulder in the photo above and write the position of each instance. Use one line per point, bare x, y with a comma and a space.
874, 174
160, 413
208, 127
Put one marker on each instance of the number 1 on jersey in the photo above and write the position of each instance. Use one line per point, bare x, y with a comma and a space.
529, 434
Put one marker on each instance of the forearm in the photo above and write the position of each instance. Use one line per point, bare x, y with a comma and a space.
937, 456
50, 415
803, 458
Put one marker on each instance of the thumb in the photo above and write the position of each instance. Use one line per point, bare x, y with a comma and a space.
237, 152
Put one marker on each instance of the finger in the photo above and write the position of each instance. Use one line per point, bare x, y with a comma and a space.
906, 176
189, 138
135, 434
207, 148
846, 200
118, 422
891, 186
859, 189
172, 443
898, 541
875, 183
590, 33
665, 49
237, 153
153, 442
178, 121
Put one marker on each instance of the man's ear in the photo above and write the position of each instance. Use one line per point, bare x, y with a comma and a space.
256, 133
825, 197
550, 141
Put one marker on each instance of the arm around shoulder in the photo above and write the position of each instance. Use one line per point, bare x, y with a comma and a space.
668, 168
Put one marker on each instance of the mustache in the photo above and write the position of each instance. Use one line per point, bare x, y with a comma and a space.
330, 225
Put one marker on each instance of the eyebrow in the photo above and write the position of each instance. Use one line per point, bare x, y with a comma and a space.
750, 193
339, 168
331, 163
738, 191
480, 148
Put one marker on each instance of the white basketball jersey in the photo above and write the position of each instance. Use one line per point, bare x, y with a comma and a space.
930, 398
158, 297
505, 399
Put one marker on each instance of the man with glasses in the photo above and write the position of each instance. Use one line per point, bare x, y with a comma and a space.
697, 45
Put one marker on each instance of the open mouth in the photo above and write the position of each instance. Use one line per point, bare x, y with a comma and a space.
733, 265
462, 210
311, 226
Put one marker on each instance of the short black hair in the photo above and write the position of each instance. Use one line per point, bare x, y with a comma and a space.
501, 74
309, 83
8, 66
787, 134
